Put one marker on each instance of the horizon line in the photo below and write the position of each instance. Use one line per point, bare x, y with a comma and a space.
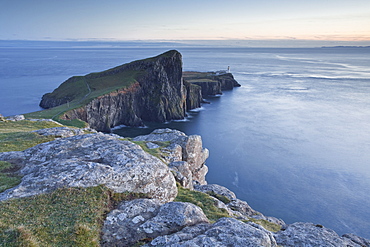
253, 43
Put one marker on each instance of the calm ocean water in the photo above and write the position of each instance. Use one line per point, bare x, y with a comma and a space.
293, 141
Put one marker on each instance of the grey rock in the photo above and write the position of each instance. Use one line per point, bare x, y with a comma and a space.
216, 189
308, 234
44, 120
60, 132
182, 173
182, 148
172, 217
15, 118
152, 145
225, 232
121, 225
182, 237
90, 160
358, 240
163, 135
143, 218
242, 207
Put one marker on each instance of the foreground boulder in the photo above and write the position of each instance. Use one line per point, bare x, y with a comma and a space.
90, 160
225, 232
308, 234
144, 219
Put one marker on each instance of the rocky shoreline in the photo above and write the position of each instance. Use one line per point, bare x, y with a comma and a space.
87, 158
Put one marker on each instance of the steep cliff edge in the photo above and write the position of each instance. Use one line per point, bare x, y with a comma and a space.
154, 89
211, 83
145, 90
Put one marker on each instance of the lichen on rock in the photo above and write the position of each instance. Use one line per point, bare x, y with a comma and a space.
90, 160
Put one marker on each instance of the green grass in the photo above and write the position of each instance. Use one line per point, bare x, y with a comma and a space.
25, 125
73, 123
19, 141
76, 91
8, 176
65, 217
202, 200
48, 113
154, 151
15, 135
222, 198
207, 204
272, 227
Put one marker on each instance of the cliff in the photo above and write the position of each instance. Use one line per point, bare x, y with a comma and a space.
151, 89
211, 83
146, 90
191, 213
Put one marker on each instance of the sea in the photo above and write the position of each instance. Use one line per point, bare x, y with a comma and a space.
293, 141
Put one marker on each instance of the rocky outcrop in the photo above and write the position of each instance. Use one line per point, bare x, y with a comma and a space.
77, 159
151, 89
15, 118
90, 160
182, 148
157, 94
227, 81
308, 234
225, 232
356, 239
61, 132
211, 83
144, 219
194, 96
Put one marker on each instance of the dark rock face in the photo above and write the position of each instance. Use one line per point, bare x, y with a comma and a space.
211, 83
209, 87
193, 95
159, 93
159, 96
227, 81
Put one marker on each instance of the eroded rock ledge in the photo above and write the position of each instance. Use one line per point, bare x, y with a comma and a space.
76, 159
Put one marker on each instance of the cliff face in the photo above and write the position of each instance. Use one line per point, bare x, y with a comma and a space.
155, 93
211, 83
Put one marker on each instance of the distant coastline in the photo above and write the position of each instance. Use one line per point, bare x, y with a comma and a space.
345, 46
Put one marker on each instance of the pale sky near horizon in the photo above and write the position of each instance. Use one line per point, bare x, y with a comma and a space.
347, 20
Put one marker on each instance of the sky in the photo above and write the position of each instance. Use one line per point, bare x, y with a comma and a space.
116, 20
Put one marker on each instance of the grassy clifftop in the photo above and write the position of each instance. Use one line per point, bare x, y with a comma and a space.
79, 90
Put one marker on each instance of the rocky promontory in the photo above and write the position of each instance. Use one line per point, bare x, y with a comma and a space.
163, 167
153, 89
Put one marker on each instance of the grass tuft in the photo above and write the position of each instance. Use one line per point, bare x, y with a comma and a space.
8, 176
65, 217
202, 200
156, 152
19, 141
222, 198
272, 227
